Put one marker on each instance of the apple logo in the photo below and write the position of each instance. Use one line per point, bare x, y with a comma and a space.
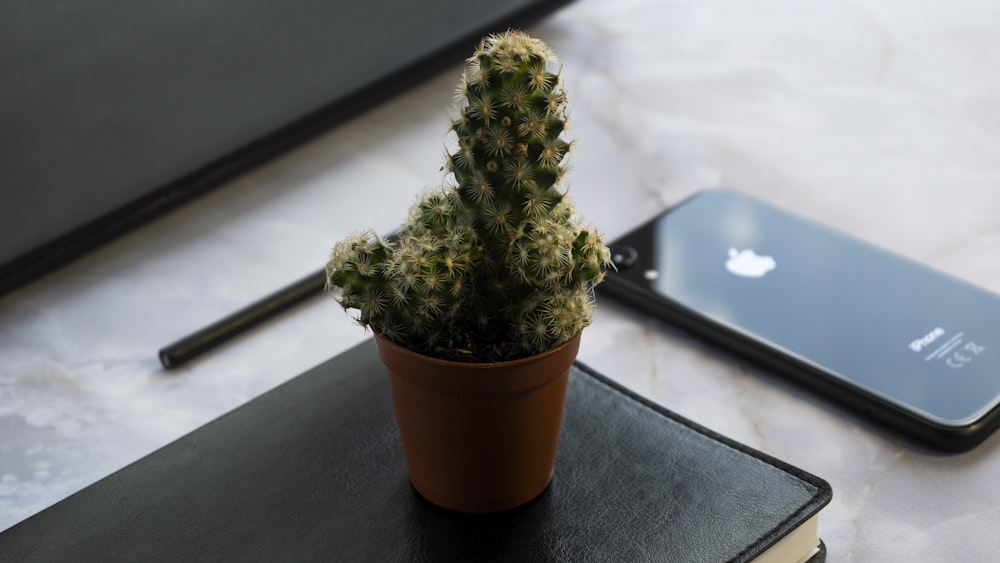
749, 264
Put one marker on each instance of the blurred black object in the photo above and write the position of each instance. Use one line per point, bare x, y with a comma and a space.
113, 112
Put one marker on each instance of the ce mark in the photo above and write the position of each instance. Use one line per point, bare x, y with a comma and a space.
958, 360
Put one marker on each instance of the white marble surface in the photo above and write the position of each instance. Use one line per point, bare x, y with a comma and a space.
879, 118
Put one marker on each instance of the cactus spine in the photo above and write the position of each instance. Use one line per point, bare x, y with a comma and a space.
496, 266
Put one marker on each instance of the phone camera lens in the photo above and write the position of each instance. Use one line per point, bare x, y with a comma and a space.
624, 256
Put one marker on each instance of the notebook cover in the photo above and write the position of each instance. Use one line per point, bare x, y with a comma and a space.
314, 470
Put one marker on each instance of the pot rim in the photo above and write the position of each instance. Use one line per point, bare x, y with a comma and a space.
484, 377
474, 365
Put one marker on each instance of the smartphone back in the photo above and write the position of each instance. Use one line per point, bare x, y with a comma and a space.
911, 346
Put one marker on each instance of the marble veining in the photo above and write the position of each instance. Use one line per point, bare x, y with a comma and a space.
881, 119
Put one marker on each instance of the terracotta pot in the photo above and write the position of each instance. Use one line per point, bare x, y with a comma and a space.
479, 437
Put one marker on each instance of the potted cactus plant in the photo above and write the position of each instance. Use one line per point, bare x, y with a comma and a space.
478, 301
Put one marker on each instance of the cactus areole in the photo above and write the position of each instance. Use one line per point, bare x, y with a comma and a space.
494, 265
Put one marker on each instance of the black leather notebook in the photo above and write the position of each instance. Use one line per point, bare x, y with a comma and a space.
313, 470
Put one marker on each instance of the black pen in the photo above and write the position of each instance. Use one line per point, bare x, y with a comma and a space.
242, 320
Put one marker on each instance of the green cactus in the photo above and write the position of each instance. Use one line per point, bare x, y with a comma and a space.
496, 267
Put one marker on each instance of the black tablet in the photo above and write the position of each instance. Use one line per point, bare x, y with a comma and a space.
112, 112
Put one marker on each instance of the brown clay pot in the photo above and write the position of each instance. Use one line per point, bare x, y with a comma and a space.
479, 437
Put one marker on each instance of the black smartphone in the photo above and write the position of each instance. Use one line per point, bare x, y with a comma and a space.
904, 344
